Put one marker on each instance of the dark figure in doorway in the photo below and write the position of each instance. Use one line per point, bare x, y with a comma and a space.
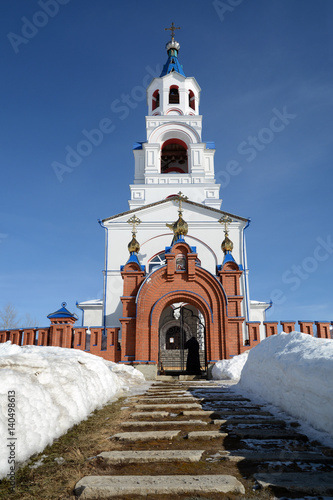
193, 360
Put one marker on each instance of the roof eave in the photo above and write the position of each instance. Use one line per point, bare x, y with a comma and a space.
172, 198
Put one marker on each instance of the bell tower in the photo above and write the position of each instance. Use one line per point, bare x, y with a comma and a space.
173, 157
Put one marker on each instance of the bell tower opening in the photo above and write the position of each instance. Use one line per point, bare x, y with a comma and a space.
191, 99
156, 100
174, 95
174, 157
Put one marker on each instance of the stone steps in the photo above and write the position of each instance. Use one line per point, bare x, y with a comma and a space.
162, 423
159, 401
132, 437
246, 421
308, 482
260, 433
224, 397
92, 487
144, 456
254, 438
280, 455
174, 406
206, 435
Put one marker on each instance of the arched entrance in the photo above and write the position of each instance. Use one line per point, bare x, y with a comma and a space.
182, 343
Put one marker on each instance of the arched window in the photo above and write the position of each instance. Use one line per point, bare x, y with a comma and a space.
191, 99
157, 261
174, 157
156, 99
174, 95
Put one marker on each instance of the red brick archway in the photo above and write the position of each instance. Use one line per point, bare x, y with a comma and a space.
168, 285
182, 280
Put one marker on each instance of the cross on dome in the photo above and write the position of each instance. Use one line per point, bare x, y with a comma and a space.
172, 29
172, 48
226, 220
227, 245
134, 221
181, 197
134, 245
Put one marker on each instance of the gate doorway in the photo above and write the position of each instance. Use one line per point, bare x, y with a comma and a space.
182, 347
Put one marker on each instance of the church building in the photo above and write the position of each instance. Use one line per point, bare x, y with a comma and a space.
186, 276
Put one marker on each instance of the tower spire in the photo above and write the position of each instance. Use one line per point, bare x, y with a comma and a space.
172, 47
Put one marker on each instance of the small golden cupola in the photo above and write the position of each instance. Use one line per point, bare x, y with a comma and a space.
134, 245
227, 245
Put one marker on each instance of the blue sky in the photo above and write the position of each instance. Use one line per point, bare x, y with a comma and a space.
254, 60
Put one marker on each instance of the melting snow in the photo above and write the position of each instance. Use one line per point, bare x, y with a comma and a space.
293, 372
54, 389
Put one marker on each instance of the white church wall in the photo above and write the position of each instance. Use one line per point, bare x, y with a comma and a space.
92, 312
114, 291
93, 316
139, 166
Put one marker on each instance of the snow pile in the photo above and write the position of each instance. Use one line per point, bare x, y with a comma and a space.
53, 388
294, 372
230, 368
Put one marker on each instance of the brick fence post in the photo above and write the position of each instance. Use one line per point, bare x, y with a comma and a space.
306, 327
288, 326
323, 329
271, 328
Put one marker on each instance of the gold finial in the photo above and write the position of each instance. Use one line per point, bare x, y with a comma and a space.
172, 29
225, 220
180, 227
134, 221
134, 245
227, 244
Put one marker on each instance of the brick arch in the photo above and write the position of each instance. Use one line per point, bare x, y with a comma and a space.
197, 287
179, 296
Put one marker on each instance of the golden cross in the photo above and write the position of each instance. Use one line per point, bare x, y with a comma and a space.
225, 220
134, 221
181, 198
172, 29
